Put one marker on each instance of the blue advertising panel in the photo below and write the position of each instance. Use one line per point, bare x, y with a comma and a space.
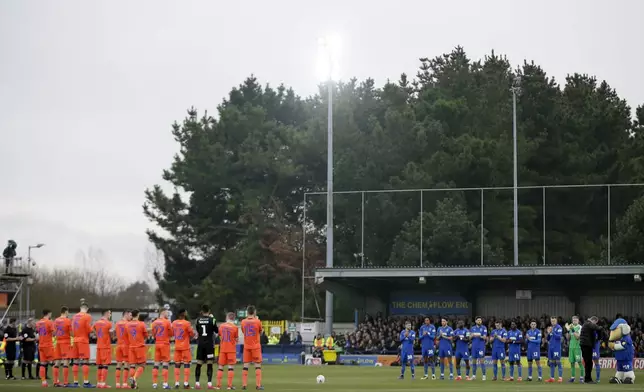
428, 304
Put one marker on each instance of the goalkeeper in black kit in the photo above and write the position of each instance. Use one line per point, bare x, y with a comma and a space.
206, 329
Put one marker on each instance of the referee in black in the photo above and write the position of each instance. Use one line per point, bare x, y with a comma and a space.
587, 338
206, 327
11, 338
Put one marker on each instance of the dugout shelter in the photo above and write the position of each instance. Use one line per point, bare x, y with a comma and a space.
499, 291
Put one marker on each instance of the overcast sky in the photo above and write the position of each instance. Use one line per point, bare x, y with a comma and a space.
88, 89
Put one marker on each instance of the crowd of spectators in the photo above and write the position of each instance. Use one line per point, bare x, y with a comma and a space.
380, 335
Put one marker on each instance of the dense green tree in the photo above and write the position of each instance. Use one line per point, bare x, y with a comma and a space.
231, 225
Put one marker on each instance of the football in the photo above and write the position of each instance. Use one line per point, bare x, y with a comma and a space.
320, 379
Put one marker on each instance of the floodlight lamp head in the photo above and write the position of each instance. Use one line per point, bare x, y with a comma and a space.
328, 57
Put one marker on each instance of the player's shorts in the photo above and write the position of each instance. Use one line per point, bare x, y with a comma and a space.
498, 354
554, 354
182, 356
624, 366
478, 352
462, 355
137, 355
46, 354
104, 356
406, 356
122, 354
574, 355
63, 350
428, 352
595, 355
227, 359
205, 352
162, 353
534, 354
29, 353
11, 352
253, 355
444, 352
514, 355
80, 351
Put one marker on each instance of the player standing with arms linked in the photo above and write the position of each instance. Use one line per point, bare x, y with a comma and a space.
574, 349
81, 328
10, 349
137, 333
45, 328
206, 327
122, 349
183, 332
446, 336
252, 329
228, 336
103, 330
427, 335
407, 338
28, 346
498, 338
533, 336
478, 334
63, 352
555, 333
162, 332
515, 337
462, 336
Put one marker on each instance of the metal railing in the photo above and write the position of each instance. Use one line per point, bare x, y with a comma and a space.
544, 190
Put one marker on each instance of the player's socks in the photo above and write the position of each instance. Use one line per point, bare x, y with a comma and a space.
197, 372
403, 366
412, 368
520, 370
258, 377
512, 371
75, 373
165, 375
139, 372
483, 368
552, 370
65, 374
231, 376
432, 364
209, 371
86, 373
573, 371
529, 370
495, 370
502, 369
245, 376
442, 367
55, 371
155, 375
582, 371
186, 374
451, 368
177, 373
560, 369
117, 376
540, 371
43, 373
426, 368
220, 375
597, 372
474, 369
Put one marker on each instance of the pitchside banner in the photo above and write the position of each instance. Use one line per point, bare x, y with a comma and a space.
269, 358
388, 360
427, 304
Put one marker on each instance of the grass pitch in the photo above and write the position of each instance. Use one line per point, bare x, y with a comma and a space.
294, 378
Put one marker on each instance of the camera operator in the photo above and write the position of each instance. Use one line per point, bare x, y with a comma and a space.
9, 253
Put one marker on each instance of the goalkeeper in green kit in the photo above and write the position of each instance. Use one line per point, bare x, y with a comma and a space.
574, 349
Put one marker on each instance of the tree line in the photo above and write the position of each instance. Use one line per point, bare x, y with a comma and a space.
231, 232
